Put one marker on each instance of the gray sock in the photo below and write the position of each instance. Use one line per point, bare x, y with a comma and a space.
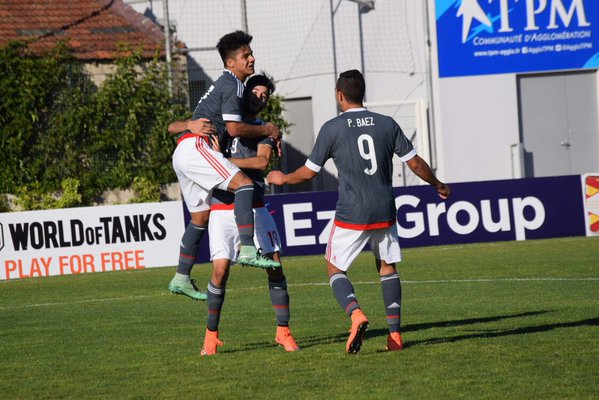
244, 214
190, 244
391, 287
216, 298
344, 293
279, 297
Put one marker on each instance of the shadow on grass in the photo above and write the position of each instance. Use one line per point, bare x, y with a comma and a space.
451, 323
306, 342
342, 337
508, 332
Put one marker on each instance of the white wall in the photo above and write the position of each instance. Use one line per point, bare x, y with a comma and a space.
478, 125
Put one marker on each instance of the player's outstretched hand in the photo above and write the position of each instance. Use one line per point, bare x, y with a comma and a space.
201, 126
444, 191
272, 130
275, 177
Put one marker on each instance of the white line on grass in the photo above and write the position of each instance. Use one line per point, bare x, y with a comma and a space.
481, 280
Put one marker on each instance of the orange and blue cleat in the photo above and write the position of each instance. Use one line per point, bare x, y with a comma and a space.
285, 339
394, 342
211, 343
359, 325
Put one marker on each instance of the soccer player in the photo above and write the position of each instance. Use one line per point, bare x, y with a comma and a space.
362, 144
252, 155
199, 168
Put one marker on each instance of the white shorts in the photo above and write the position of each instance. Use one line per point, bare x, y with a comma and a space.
199, 169
224, 235
345, 244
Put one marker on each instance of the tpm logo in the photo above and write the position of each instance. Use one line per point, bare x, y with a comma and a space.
469, 10
551, 15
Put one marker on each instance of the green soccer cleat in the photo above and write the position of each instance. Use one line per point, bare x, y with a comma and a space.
249, 256
188, 289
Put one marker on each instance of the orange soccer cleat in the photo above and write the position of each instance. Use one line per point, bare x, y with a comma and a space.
394, 342
211, 343
285, 339
359, 325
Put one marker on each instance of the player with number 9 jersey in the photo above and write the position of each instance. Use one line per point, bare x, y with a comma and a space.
362, 144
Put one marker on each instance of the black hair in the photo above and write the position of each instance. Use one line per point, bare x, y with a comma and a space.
351, 84
262, 79
232, 42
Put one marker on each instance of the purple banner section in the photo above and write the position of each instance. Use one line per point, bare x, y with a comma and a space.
490, 211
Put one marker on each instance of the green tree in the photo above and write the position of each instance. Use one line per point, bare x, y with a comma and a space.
273, 112
32, 91
64, 141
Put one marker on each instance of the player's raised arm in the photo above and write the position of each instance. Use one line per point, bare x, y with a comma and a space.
201, 127
243, 130
424, 172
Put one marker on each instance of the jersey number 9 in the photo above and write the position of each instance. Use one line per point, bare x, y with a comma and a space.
366, 147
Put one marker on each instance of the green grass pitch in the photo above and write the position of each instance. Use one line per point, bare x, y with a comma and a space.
485, 321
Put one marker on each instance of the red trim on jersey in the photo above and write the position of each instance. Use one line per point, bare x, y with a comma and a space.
364, 227
186, 136
218, 167
225, 207
245, 226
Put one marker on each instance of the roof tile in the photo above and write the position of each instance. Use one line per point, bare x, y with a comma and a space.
94, 28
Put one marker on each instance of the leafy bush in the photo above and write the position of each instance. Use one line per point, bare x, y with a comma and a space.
145, 191
34, 197
56, 124
273, 112
4, 204
60, 133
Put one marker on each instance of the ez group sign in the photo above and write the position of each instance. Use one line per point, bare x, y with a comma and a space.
516, 209
478, 37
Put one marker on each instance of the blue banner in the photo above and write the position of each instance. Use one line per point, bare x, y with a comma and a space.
519, 209
479, 37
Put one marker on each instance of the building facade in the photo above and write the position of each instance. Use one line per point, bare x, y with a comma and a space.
487, 90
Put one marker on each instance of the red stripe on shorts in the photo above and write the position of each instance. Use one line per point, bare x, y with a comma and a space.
330, 244
218, 167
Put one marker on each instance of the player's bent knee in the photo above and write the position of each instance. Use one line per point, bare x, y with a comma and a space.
239, 179
200, 217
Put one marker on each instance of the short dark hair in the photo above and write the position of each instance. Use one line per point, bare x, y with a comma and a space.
351, 84
232, 42
262, 79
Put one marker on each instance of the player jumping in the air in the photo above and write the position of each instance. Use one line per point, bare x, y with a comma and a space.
200, 169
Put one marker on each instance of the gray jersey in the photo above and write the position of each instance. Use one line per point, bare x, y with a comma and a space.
362, 144
221, 103
246, 148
